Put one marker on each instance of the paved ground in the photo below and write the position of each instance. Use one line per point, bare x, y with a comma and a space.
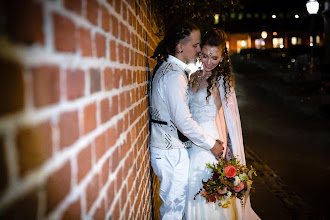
290, 149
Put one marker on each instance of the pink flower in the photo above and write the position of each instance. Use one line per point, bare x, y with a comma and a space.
230, 171
204, 193
222, 191
239, 187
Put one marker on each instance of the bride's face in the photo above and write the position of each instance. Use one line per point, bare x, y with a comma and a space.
210, 57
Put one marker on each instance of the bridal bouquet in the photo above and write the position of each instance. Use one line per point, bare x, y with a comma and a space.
229, 179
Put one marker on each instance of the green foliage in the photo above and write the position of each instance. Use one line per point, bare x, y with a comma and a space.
200, 12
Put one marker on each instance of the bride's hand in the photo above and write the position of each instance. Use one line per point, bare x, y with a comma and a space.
217, 149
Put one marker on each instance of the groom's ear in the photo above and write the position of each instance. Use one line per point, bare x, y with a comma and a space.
179, 47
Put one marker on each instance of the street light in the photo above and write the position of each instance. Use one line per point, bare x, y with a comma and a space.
312, 8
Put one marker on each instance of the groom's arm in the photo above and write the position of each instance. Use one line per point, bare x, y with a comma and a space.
174, 88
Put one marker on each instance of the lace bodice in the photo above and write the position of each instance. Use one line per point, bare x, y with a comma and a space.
202, 110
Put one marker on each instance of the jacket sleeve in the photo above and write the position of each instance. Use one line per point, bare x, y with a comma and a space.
174, 91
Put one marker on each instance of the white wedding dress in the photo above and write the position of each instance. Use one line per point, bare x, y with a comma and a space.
213, 122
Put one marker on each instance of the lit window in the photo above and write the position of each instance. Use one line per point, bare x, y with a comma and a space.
248, 15
311, 41
278, 43
256, 15
232, 16
240, 16
317, 39
259, 43
216, 19
274, 33
241, 44
296, 16
294, 41
299, 41
273, 16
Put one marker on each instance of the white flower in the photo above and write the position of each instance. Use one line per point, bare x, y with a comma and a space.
236, 181
228, 194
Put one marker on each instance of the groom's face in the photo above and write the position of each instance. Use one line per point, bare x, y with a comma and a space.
191, 48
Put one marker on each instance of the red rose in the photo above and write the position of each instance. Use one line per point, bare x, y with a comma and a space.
239, 187
230, 171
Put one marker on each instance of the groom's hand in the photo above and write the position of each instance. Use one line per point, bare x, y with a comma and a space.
217, 149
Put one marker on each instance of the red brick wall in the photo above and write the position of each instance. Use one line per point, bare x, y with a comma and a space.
73, 109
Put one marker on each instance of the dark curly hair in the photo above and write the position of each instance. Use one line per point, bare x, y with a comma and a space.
217, 37
177, 33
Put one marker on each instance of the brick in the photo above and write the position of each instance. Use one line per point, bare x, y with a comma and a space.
111, 194
69, 128
122, 32
116, 212
124, 78
117, 76
25, 207
105, 171
65, 36
113, 51
46, 85
58, 186
114, 25
126, 55
133, 95
92, 9
128, 99
89, 118
105, 111
105, 19
95, 80
24, 24
75, 84
92, 191
100, 142
12, 85
73, 211
124, 10
108, 78
128, 36
115, 160
100, 45
3, 166
111, 136
34, 146
114, 106
85, 42
73, 5
121, 53
132, 58
84, 162
118, 6
122, 102
120, 126
100, 211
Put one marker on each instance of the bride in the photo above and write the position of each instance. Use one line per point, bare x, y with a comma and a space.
213, 105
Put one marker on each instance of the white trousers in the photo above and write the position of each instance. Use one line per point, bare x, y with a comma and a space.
171, 168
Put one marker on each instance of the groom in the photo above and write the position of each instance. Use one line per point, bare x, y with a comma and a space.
171, 120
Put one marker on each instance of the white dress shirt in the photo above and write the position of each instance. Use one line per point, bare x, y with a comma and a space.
173, 89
